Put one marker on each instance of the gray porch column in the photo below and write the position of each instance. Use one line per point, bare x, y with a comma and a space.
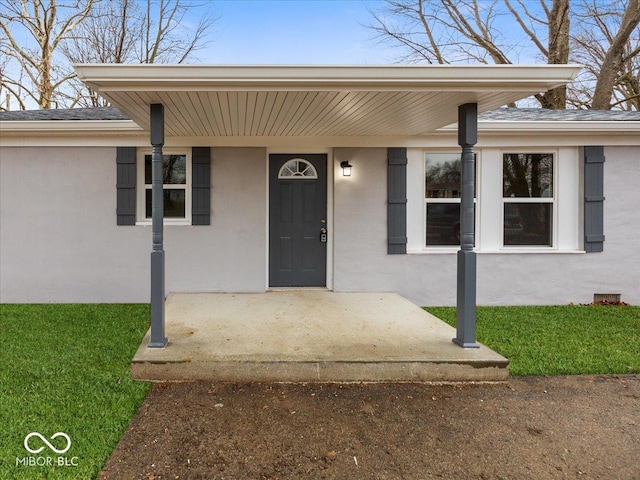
466, 300
158, 340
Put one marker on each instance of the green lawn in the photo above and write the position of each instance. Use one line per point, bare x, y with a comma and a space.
66, 368
559, 340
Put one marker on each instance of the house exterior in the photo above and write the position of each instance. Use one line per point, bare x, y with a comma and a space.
256, 195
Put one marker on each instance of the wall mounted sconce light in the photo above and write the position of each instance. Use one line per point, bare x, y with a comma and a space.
346, 168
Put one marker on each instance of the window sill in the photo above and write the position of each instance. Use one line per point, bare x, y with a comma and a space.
435, 251
166, 223
507, 251
531, 250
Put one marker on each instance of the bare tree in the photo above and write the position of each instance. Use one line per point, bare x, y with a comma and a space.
164, 37
460, 31
605, 38
109, 36
556, 50
609, 44
104, 37
130, 31
7, 91
31, 34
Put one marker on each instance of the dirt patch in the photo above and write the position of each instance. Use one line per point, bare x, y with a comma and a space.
530, 428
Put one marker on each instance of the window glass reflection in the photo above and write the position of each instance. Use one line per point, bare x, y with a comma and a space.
442, 175
443, 224
174, 203
174, 169
527, 175
528, 224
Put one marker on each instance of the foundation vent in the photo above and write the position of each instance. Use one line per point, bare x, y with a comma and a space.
606, 298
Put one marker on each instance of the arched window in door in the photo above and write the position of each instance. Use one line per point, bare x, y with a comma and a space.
297, 168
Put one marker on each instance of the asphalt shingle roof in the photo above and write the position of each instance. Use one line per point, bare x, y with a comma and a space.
500, 114
542, 115
97, 113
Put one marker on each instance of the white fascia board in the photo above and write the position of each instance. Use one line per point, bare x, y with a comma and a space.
553, 127
75, 127
149, 77
83, 141
447, 140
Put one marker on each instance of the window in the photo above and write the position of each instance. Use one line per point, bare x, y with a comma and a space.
297, 168
187, 186
442, 199
176, 174
528, 200
527, 191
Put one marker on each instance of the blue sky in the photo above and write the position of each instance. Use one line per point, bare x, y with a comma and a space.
295, 32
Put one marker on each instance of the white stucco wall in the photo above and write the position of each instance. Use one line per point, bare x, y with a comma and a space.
59, 241
230, 254
362, 264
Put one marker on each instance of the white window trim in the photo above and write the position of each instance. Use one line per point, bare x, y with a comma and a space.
425, 201
553, 200
141, 187
567, 202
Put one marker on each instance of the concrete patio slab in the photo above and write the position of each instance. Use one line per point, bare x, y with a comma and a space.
309, 336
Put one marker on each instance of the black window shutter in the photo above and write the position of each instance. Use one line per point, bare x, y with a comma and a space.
126, 185
201, 186
594, 199
397, 201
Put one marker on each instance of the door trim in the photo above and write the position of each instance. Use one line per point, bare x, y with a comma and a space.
331, 172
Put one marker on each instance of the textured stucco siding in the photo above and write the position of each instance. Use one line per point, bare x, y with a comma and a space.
362, 264
59, 241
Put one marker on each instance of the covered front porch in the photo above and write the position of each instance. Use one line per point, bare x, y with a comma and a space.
310, 335
301, 111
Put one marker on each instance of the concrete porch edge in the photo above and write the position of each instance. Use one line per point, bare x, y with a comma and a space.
310, 336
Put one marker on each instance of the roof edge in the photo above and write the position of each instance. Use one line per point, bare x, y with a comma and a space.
586, 127
112, 77
105, 127
70, 126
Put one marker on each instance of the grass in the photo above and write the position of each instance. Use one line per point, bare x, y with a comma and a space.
559, 340
66, 368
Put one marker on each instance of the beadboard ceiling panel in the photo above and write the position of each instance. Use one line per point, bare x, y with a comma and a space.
313, 101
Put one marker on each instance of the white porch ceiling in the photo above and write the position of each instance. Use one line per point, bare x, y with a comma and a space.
313, 101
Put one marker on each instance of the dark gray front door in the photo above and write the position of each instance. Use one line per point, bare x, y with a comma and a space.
297, 218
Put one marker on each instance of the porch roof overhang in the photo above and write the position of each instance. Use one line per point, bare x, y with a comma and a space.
314, 101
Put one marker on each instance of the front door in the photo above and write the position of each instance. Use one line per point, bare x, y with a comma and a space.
297, 220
